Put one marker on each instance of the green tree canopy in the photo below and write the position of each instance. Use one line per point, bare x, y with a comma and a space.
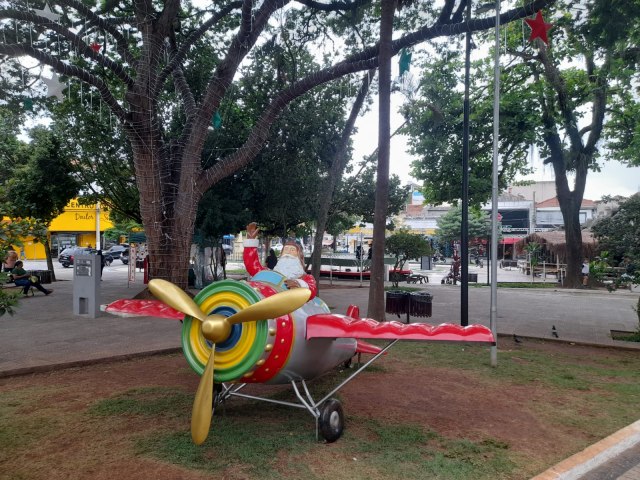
405, 246
434, 119
574, 98
619, 234
449, 225
354, 200
43, 185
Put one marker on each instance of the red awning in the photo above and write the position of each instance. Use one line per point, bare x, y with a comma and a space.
510, 240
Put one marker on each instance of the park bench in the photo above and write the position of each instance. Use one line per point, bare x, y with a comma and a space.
417, 278
612, 274
508, 264
43, 275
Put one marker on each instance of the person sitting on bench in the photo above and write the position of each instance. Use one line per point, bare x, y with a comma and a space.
10, 260
23, 279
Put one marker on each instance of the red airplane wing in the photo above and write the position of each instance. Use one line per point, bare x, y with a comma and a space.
341, 326
143, 308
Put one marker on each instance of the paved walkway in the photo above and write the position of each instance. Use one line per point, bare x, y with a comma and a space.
44, 334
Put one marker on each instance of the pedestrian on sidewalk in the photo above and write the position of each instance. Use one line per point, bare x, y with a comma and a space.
23, 279
585, 272
272, 259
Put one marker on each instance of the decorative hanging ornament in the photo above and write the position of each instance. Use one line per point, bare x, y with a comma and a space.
95, 47
216, 121
47, 13
405, 61
27, 104
54, 87
539, 28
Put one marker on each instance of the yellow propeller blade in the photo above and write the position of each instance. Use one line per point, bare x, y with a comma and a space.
203, 404
175, 297
216, 328
272, 307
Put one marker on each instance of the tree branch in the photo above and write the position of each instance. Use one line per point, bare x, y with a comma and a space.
334, 6
445, 13
73, 39
107, 26
553, 76
193, 37
226, 69
364, 60
182, 87
599, 103
69, 70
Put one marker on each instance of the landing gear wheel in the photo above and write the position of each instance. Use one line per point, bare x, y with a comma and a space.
331, 421
218, 399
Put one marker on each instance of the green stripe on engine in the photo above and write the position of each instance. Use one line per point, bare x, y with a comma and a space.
257, 347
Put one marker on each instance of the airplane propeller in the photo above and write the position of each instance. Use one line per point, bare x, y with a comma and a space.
217, 328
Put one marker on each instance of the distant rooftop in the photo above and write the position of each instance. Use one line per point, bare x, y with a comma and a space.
553, 202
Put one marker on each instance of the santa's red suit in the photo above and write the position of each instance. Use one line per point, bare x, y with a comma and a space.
253, 266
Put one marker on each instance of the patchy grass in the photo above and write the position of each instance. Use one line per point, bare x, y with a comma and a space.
627, 337
599, 390
52, 427
413, 452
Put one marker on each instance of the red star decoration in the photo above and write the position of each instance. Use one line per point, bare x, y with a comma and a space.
539, 28
95, 47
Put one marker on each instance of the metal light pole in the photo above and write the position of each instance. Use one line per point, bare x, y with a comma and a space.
464, 230
494, 191
98, 243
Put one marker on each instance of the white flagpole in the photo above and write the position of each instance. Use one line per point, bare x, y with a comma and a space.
494, 191
98, 246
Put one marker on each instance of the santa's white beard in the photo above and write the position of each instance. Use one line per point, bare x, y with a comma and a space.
290, 267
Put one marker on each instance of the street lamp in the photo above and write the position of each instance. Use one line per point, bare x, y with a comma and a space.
464, 233
494, 180
464, 247
494, 190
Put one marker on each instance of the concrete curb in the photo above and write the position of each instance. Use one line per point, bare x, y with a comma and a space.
594, 456
627, 346
16, 372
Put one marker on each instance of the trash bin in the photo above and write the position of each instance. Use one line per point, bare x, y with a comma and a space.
397, 302
417, 304
420, 304
473, 277
44, 275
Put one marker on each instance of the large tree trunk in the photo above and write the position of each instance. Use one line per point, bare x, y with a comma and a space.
570, 203
168, 212
47, 252
578, 155
376, 288
335, 174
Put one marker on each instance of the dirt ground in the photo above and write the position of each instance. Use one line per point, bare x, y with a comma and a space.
447, 400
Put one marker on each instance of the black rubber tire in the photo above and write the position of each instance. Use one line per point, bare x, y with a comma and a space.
217, 394
125, 262
66, 265
331, 421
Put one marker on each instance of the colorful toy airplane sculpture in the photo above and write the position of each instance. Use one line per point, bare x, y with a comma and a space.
237, 332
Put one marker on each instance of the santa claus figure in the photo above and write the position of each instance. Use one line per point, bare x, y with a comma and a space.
290, 263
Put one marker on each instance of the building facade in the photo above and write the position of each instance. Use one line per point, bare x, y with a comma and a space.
75, 226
